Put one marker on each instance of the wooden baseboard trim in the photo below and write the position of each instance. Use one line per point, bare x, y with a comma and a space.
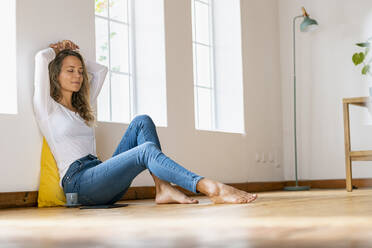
332, 183
18, 199
29, 199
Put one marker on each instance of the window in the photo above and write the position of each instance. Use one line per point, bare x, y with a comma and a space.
203, 64
8, 83
113, 49
218, 76
136, 78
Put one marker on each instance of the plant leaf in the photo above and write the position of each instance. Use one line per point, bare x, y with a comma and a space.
112, 34
365, 69
357, 59
102, 58
361, 55
364, 44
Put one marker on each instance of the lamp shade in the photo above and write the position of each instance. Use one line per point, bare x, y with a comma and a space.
308, 24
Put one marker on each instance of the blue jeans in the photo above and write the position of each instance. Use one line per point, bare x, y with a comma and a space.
98, 182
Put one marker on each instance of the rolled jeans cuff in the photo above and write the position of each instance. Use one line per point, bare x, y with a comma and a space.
195, 182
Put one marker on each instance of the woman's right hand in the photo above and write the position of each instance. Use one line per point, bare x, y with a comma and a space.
62, 45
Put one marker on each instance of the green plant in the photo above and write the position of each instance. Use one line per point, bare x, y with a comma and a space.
361, 57
101, 5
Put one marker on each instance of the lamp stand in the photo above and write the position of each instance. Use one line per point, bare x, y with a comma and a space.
297, 187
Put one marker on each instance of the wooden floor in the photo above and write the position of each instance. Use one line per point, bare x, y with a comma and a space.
318, 218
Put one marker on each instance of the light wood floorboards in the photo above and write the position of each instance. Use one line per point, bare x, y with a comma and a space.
318, 218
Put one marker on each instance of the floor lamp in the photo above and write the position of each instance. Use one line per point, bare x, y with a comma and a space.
306, 25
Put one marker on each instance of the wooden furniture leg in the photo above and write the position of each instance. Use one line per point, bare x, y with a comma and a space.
347, 147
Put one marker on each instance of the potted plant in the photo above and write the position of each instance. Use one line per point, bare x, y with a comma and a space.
361, 58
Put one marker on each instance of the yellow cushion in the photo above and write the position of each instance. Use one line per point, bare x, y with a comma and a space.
50, 193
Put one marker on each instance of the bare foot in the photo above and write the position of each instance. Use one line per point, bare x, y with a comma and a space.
222, 193
167, 194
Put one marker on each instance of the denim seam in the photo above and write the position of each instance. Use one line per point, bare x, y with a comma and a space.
68, 176
113, 167
78, 171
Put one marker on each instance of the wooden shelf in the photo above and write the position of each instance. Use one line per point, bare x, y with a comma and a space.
353, 155
361, 155
360, 101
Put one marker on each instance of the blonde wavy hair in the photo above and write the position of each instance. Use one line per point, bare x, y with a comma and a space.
81, 99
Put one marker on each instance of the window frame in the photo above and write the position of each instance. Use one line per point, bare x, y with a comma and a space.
211, 47
131, 57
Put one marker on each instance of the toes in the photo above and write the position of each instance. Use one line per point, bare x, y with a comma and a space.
193, 201
252, 198
189, 201
247, 198
241, 200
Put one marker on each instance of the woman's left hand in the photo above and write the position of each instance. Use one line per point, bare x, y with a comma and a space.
62, 45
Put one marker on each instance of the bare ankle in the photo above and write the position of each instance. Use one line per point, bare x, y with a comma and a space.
208, 187
162, 187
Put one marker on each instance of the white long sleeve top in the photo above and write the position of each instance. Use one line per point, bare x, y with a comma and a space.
68, 137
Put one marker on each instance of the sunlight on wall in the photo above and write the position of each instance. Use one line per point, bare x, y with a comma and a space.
8, 85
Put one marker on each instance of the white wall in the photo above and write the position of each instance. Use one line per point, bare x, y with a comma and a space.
325, 75
222, 156
149, 60
228, 70
261, 84
39, 23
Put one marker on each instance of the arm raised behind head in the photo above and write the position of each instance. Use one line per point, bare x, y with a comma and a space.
62, 45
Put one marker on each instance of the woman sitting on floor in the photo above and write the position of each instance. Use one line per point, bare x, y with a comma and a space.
62, 105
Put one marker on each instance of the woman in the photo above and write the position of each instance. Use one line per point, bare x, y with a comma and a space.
62, 99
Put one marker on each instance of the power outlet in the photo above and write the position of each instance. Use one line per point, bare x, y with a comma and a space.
263, 157
271, 157
277, 160
258, 159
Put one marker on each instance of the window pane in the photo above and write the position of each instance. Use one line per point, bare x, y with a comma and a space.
103, 104
8, 83
119, 47
120, 98
102, 54
202, 22
101, 7
193, 19
118, 10
204, 107
203, 66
